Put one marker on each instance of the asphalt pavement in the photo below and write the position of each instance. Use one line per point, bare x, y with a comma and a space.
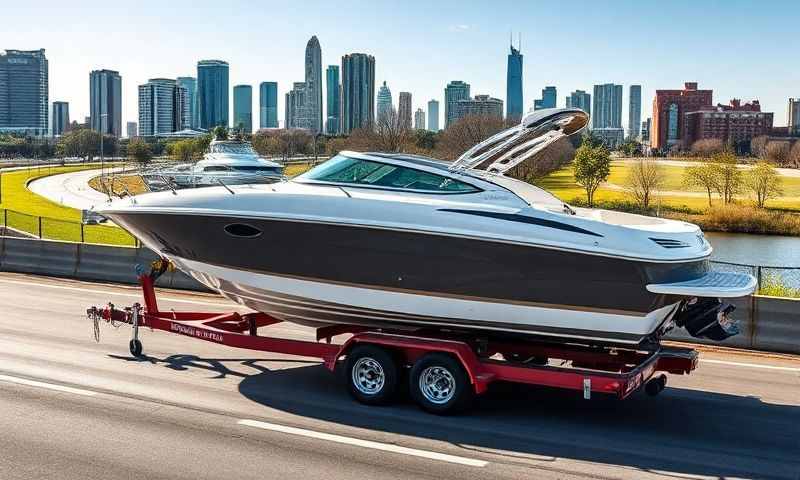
73, 408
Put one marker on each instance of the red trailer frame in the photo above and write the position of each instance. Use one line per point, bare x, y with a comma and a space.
591, 369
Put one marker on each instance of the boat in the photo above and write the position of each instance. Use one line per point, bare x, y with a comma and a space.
404, 242
228, 162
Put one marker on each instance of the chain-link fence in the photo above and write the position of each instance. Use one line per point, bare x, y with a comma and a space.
772, 281
20, 224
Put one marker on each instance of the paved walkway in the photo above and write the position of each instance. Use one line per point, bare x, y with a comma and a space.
71, 189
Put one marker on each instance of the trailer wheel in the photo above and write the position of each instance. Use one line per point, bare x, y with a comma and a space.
371, 375
135, 347
439, 384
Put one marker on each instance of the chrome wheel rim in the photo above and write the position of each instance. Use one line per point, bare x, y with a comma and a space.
437, 385
368, 376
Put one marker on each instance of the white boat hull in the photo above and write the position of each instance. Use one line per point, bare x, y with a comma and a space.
317, 303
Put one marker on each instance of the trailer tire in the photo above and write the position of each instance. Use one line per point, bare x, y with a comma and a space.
135, 347
372, 375
439, 384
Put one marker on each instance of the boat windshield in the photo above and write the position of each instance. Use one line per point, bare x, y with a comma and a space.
240, 148
342, 169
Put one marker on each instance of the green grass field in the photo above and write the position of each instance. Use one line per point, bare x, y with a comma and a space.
562, 184
58, 222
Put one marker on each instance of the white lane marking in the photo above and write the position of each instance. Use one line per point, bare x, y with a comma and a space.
49, 386
751, 365
111, 292
386, 447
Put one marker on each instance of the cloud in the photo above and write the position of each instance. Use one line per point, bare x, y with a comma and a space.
462, 27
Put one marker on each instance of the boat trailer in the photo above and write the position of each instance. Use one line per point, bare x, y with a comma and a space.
446, 368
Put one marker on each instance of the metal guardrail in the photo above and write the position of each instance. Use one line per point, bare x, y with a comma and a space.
21, 224
772, 280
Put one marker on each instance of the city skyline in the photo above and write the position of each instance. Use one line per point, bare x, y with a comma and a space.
470, 45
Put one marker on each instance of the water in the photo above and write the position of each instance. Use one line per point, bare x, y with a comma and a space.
768, 250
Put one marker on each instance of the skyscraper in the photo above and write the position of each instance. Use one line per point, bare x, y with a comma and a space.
384, 100
160, 107
453, 92
60, 118
607, 114
419, 119
190, 118
404, 109
105, 102
607, 106
24, 99
514, 86
548, 100
580, 99
334, 103
314, 84
268, 105
793, 114
358, 91
212, 94
132, 130
296, 107
433, 115
243, 108
634, 110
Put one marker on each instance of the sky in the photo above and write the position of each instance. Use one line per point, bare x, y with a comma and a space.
741, 49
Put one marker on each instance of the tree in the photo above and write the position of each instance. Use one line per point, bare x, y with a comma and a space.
758, 146
220, 133
139, 151
182, 150
590, 139
545, 162
644, 179
702, 175
777, 152
82, 142
425, 139
466, 133
729, 176
794, 155
630, 147
390, 131
764, 182
707, 147
591, 167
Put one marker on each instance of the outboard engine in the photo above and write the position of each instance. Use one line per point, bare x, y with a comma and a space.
707, 318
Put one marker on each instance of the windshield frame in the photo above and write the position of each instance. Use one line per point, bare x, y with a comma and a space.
306, 178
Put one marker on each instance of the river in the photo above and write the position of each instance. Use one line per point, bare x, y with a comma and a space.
768, 250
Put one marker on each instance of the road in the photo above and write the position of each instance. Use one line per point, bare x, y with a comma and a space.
71, 408
72, 189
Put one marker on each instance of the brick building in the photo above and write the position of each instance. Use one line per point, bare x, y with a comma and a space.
735, 124
669, 108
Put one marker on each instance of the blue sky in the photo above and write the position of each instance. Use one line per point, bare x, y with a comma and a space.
745, 49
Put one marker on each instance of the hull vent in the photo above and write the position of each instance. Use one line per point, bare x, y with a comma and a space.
670, 243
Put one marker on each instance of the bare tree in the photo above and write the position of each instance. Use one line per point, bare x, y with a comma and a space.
644, 179
546, 162
707, 147
391, 133
702, 175
777, 152
764, 182
466, 133
758, 146
794, 155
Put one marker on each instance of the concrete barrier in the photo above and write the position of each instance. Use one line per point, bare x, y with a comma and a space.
106, 263
24, 255
776, 324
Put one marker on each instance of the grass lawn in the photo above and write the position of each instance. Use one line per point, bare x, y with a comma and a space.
562, 184
58, 222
